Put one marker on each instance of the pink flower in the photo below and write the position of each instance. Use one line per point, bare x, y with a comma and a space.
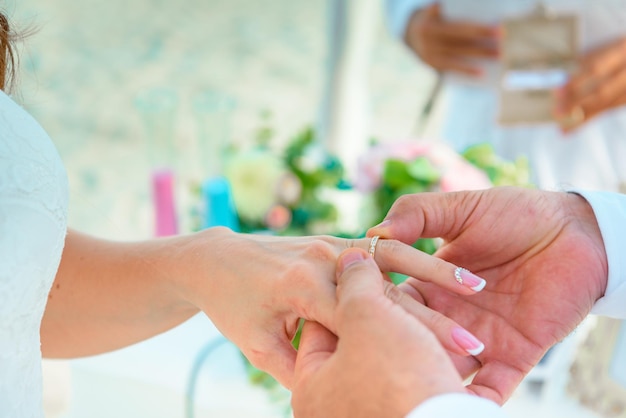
278, 217
457, 173
461, 175
370, 165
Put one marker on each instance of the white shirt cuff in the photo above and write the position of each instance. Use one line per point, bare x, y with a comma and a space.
455, 405
610, 211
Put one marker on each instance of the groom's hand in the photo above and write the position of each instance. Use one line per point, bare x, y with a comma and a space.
384, 361
542, 255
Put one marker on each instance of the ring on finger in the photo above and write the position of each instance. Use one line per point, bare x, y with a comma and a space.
575, 117
372, 249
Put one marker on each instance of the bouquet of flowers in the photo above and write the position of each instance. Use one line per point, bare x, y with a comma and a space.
286, 192
282, 192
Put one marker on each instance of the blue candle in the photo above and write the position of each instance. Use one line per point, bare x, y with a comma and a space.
219, 208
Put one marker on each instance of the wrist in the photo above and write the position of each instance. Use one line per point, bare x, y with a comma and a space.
171, 258
581, 214
197, 261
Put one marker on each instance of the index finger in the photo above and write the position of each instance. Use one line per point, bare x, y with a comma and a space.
464, 31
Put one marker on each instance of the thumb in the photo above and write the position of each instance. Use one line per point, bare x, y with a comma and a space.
358, 277
317, 344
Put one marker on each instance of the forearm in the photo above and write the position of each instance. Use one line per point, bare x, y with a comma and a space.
107, 295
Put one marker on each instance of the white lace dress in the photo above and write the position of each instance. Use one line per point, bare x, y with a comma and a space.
33, 222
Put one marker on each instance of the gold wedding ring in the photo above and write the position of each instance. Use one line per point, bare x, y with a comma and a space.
575, 117
373, 242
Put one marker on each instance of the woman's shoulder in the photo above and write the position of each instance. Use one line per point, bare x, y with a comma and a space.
30, 166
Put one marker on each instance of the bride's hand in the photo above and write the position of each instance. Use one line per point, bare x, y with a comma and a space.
255, 289
542, 255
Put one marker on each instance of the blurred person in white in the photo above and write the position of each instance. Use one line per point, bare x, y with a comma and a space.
64, 294
461, 40
549, 258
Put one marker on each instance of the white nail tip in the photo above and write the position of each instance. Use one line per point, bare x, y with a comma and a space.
479, 287
476, 351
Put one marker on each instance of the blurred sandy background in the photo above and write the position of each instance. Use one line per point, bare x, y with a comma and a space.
83, 68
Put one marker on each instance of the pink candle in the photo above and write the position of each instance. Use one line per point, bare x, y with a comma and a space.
163, 197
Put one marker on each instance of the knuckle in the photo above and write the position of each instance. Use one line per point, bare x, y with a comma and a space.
442, 326
386, 251
320, 249
298, 272
403, 203
436, 321
394, 294
309, 274
303, 276
306, 268
257, 358
352, 243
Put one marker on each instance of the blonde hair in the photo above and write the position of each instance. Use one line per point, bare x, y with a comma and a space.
7, 56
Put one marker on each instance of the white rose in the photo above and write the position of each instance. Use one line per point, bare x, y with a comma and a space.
253, 177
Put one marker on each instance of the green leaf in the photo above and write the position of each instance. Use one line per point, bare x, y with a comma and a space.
296, 339
397, 278
500, 171
427, 245
396, 174
422, 169
481, 155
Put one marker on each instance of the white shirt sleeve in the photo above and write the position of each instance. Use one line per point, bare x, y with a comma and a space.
610, 211
398, 13
455, 405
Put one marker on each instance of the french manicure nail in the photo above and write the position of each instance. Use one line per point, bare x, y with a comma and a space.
467, 341
469, 279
